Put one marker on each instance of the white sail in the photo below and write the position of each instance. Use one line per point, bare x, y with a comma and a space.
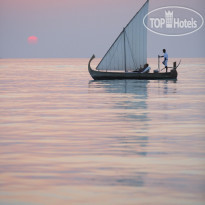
129, 51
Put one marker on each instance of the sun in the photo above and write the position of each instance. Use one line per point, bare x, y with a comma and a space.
32, 40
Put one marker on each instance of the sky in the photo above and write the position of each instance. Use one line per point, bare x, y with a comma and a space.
80, 28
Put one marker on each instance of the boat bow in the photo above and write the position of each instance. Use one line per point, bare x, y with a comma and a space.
91, 71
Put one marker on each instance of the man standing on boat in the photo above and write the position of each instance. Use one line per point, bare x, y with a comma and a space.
165, 59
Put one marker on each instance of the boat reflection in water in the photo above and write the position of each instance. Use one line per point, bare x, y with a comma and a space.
126, 103
128, 100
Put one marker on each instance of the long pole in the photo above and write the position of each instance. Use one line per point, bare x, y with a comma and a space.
124, 50
158, 64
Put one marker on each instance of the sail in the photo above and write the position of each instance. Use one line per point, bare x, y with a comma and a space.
129, 51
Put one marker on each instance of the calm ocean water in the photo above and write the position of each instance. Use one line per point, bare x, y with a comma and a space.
67, 139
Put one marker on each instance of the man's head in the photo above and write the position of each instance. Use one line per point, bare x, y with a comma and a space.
146, 65
164, 50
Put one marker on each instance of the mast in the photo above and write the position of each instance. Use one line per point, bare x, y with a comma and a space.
124, 50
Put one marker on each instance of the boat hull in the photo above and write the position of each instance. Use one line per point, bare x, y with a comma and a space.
99, 75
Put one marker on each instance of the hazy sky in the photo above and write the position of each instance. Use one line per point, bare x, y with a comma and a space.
79, 28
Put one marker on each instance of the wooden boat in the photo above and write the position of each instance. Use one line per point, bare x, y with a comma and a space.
99, 75
129, 53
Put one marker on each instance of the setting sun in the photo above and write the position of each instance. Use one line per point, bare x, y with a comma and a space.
32, 40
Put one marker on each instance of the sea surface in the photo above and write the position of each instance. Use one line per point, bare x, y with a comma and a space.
67, 139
